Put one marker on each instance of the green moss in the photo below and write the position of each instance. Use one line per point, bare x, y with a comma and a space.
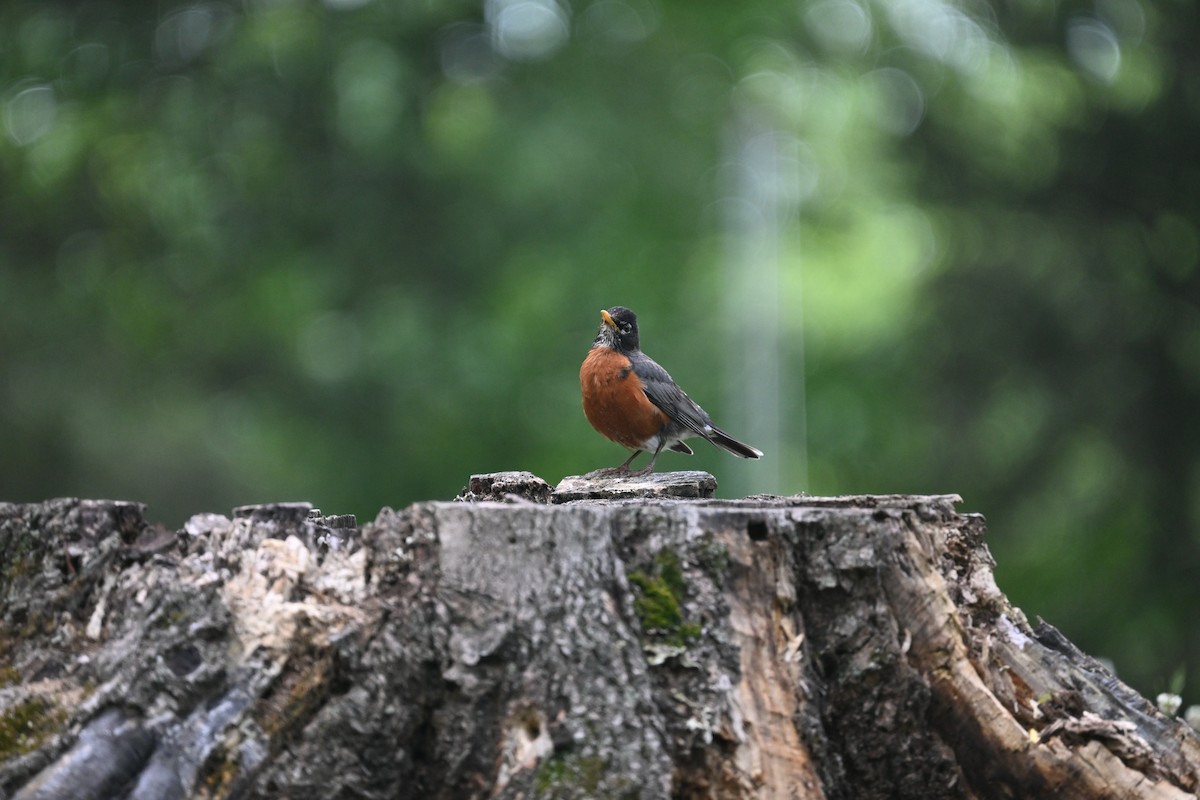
26, 725
659, 604
9, 676
569, 774
552, 773
671, 573
656, 605
18, 559
170, 616
37, 624
20, 567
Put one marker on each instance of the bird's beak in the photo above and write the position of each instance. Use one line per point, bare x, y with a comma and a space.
608, 320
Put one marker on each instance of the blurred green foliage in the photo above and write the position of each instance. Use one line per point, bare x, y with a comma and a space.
353, 252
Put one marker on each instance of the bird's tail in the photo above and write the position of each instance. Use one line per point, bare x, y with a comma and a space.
726, 442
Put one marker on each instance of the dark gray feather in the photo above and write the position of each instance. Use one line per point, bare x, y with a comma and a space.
666, 394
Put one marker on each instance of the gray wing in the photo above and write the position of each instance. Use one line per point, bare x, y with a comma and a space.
666, 394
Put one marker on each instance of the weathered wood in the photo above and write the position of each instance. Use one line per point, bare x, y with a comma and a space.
656, 485
640, 647
506, 486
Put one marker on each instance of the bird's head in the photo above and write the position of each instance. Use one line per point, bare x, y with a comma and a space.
618, 329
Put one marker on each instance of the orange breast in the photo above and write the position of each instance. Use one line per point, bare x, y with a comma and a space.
614, 402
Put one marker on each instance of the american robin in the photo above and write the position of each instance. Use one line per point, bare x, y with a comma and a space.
631, 400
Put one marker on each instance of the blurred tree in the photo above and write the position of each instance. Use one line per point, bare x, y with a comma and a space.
354, 251
1063, 345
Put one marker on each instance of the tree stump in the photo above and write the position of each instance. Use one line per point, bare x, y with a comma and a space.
553, 645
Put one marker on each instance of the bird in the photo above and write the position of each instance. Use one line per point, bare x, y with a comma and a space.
629, 399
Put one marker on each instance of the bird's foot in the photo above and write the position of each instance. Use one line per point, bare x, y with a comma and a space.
608, 472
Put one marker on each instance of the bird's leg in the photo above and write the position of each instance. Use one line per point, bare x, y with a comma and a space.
646, 470
610, 471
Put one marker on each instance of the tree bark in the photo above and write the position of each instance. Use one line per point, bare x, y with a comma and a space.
526, 642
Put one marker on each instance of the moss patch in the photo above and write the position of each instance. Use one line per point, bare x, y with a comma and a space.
26, 725
8, 675
18, 559
37, 624
657, 608
569, 774
659, 604
171, 616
